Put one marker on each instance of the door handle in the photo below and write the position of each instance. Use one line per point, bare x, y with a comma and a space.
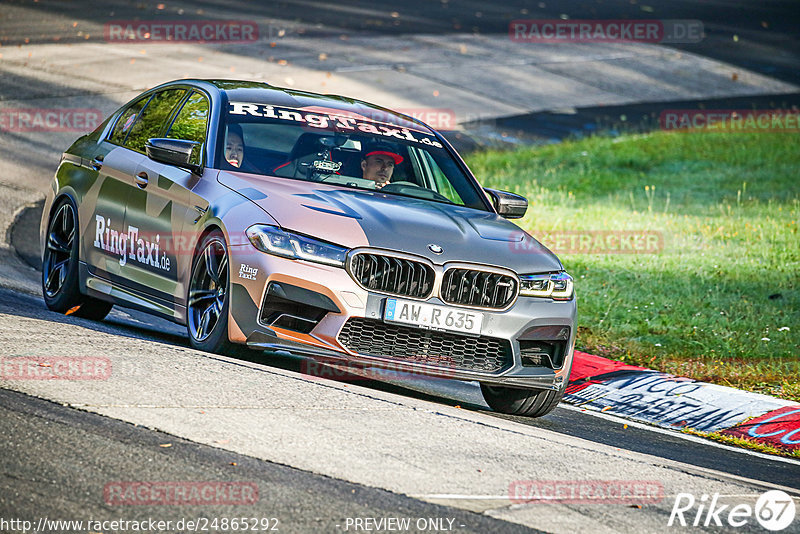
97, 162
141, 179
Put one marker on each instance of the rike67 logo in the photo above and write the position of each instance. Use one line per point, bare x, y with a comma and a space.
774, 511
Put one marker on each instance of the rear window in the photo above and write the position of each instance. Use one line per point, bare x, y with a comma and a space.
126, 120
154, 118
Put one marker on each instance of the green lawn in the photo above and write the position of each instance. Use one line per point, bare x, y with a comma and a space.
720, 302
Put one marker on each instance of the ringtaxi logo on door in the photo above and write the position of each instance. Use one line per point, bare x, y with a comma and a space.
774, 511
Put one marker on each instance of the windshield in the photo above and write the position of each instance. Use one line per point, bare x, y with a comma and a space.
345, 149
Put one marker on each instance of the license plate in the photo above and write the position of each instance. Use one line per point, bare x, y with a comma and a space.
432, 316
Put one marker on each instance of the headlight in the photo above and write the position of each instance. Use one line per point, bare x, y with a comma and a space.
273, 240
555, 286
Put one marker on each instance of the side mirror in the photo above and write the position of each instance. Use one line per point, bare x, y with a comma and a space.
508, 205
178, 152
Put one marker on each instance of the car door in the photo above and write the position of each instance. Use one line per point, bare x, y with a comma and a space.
162, 212
103, 207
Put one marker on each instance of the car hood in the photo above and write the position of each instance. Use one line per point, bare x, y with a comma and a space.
358, 218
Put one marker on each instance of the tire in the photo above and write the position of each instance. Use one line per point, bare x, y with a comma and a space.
526, 402
208, 297
60, 284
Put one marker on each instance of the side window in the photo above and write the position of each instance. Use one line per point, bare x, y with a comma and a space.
190, 124
126, 120
440, 182
153, 118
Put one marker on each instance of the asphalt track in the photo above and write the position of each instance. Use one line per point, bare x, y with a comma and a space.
755, 35
56, 460
61, 477
565, 420
761, 38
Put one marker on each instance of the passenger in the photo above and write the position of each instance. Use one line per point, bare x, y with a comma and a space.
234, 145
234, 149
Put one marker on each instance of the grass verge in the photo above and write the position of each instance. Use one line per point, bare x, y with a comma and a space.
743, 443
717, 299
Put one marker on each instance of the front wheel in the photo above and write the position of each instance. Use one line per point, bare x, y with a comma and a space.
208, 299
526, 402
60, 285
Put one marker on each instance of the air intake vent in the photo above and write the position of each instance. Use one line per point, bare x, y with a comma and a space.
391, 274
294, 308
443, 349
543, 353
481, 289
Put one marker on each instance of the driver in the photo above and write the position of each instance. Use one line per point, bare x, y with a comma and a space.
378, 163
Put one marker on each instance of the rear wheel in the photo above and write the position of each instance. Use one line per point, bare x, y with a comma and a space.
208, 298
60, 267
527, 402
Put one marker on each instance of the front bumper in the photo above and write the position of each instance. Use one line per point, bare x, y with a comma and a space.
322, 343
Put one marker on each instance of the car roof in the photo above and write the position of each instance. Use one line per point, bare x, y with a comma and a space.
264, 93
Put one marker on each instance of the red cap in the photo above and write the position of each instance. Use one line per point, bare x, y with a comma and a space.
398, 159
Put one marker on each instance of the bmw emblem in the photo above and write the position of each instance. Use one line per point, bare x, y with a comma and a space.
436, 249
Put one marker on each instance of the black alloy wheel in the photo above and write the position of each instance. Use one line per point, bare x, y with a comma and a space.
60, 284
207, 303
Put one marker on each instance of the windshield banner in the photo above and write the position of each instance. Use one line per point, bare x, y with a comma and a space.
332, 121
